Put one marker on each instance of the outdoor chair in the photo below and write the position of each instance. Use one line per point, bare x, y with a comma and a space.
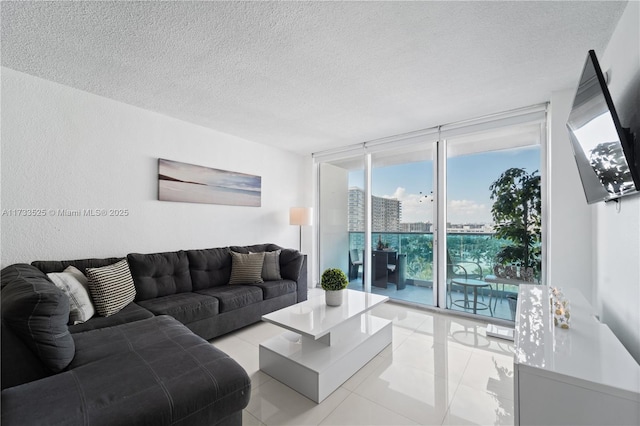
467, 269
355, 263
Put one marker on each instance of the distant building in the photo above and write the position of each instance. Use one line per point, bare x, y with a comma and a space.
470, 228
419, 227
387, 212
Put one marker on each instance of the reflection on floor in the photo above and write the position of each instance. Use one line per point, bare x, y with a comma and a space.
424, 296
439, 370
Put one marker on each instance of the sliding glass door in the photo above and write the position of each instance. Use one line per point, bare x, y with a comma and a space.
449, 217
493, 218
402, 221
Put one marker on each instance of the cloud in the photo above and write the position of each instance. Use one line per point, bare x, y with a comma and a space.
461, 211
419, 208
415, 207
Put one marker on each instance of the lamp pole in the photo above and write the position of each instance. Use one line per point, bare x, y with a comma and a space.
300, 216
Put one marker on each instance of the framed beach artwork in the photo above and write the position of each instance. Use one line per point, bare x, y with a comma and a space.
190, 183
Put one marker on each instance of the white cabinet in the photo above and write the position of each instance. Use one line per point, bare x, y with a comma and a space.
579, 376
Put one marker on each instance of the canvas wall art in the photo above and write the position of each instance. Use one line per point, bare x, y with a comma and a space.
197, 184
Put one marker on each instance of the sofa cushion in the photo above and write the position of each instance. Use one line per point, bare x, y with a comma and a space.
37, 312
246, 268
255, 248
209, 267
271, 265
185, 307
48, 266
271, 289
76, 286
160, 274
131, 312
150, 372
111, 287
234, 296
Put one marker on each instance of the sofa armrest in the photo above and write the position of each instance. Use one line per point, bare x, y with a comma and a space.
302, 281
293, 266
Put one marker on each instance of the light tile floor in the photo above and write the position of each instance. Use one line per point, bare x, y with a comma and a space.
439, 370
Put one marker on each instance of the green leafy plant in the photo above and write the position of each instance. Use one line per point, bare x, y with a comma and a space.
334, 279
517, 215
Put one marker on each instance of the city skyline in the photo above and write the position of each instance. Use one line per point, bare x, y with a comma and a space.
468, 176
387, 217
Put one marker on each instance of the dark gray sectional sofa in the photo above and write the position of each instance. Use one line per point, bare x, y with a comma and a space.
147, 364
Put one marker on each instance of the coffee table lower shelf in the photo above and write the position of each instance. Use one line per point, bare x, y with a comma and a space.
316, 368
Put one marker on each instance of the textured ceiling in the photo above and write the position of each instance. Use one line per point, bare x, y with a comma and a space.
309, 76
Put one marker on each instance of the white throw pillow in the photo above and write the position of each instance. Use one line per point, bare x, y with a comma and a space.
75, 285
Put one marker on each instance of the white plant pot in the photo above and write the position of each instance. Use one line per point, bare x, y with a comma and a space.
333, 298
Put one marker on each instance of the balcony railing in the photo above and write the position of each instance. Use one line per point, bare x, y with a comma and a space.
477, 247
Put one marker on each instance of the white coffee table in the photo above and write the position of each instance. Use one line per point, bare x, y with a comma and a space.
325, 345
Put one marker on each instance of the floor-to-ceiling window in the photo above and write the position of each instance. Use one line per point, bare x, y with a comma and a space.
401, 221
402, 218
414, 216
493, 217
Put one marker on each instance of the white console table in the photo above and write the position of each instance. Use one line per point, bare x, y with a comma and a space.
579, 376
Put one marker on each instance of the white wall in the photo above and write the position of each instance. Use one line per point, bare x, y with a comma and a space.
569, 222
596, 248
618, 229
63, 148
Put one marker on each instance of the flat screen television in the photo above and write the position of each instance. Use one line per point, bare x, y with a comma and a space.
603, 149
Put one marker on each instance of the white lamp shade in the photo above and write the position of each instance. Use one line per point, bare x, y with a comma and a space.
300, 216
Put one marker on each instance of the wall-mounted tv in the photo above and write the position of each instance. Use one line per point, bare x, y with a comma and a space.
603, 149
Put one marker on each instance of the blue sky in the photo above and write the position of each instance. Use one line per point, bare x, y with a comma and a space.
469, 178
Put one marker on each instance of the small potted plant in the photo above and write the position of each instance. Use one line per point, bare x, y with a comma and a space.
334, 281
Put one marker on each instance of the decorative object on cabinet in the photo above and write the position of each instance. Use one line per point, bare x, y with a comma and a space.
560, 307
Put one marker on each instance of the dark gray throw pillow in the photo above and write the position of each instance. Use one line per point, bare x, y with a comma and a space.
271, 266
37, 312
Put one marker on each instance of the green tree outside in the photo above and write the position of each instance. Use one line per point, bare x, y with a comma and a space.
517, 216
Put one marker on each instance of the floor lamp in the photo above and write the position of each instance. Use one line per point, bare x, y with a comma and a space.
300, 216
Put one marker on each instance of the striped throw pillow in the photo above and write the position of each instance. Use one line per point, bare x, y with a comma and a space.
246, 268
111, 287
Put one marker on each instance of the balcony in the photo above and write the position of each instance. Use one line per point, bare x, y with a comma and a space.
414, 284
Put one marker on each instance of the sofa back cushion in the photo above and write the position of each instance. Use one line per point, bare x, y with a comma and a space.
256, 248
160, 274
48, 266
37, 312
209, 267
